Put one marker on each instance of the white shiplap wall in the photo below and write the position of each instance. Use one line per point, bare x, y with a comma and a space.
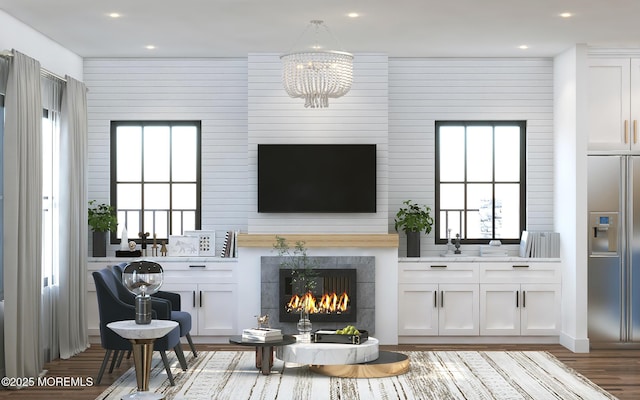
213, 91
422, 91
359, 117
393, 103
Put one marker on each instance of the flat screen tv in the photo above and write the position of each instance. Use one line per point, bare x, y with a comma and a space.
317, 178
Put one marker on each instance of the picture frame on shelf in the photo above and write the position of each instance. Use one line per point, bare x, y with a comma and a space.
207, 241
183, 246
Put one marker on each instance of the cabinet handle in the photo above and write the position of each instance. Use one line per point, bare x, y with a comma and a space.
194, 299
520, 266
438, 266
626, 131
201, 298
517, 298
635, 131
442, 298
197, 266
524, 299
435, 299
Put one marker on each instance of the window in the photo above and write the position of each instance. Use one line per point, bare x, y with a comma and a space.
155, 177
480, 181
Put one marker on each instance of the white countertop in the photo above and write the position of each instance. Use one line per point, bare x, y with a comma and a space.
476, 258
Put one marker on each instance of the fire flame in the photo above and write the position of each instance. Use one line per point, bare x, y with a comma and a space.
329, 303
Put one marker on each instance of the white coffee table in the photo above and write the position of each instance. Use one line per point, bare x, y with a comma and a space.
142, 338
329, 353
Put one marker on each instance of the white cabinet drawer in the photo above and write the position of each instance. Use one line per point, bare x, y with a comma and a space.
521, 272
421, 272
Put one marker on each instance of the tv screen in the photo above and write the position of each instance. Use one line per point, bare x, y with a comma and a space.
323, 178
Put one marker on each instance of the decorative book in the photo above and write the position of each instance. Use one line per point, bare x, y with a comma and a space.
262, 334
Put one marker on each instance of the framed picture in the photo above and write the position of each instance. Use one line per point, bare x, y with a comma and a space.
207, 241
182, 246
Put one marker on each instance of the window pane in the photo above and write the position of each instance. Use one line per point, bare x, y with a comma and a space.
479, 153
507, 153
452, 196
148, 223
188, 221
176, 223
452, 220
133, 224
451, 158
161, 227
507, 210
156, 196
184, 196
480, 205
184, 141
129, 154
129, 196
156, 153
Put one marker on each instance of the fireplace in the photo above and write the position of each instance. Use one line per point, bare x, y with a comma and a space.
333, 299
362, 312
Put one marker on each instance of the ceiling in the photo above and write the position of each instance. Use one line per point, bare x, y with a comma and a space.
400, 28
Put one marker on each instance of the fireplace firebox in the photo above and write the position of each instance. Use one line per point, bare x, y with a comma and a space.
334, 296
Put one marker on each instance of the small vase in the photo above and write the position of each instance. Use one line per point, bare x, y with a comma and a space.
304, 326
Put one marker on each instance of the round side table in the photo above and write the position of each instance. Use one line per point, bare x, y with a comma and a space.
264, 350
142, 338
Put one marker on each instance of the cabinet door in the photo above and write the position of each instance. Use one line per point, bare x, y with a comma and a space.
418, 312
500, 309
93, 317
635, 104
540, 309
609, 104
187, 292
218, 309
458, 309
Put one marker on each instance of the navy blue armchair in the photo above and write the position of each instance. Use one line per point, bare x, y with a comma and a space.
181, 317
111, 308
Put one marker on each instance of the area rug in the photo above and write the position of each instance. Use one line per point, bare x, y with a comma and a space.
433, 375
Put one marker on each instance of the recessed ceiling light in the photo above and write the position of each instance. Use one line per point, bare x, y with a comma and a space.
353, 15
523, 47
115, 15
566, 15
150, 47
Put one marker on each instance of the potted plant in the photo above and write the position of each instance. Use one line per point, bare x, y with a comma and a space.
102, 220
303, 282
413, 219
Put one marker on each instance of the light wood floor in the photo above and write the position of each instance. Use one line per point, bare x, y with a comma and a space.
617, 371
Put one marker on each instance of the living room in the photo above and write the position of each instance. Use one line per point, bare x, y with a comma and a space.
393, 103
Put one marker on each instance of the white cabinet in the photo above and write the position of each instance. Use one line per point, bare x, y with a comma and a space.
614, 104
520, 299
438, 309
434, 300
207, 288
212, 306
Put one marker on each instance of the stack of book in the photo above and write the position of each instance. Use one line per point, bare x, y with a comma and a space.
230, 245
540, 244
262, 334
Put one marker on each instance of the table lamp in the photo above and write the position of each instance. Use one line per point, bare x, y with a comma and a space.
142, 278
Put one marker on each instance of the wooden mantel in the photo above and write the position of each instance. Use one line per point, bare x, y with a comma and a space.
389, 240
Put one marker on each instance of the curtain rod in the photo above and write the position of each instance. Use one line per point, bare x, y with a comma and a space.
43, 72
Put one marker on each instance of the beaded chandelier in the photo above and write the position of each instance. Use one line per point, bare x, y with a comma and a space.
316, 74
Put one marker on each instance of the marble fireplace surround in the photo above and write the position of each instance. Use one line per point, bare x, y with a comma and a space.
365, 289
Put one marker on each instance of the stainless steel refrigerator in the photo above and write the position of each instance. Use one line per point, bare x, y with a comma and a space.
614, 251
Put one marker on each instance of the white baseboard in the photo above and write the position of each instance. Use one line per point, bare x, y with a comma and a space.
573, 344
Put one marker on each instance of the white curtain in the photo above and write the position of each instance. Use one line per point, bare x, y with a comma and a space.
72, 313
23, 218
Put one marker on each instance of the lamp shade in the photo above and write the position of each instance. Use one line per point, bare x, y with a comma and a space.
142, 277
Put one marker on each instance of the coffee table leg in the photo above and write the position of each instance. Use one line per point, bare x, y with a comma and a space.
267, 359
